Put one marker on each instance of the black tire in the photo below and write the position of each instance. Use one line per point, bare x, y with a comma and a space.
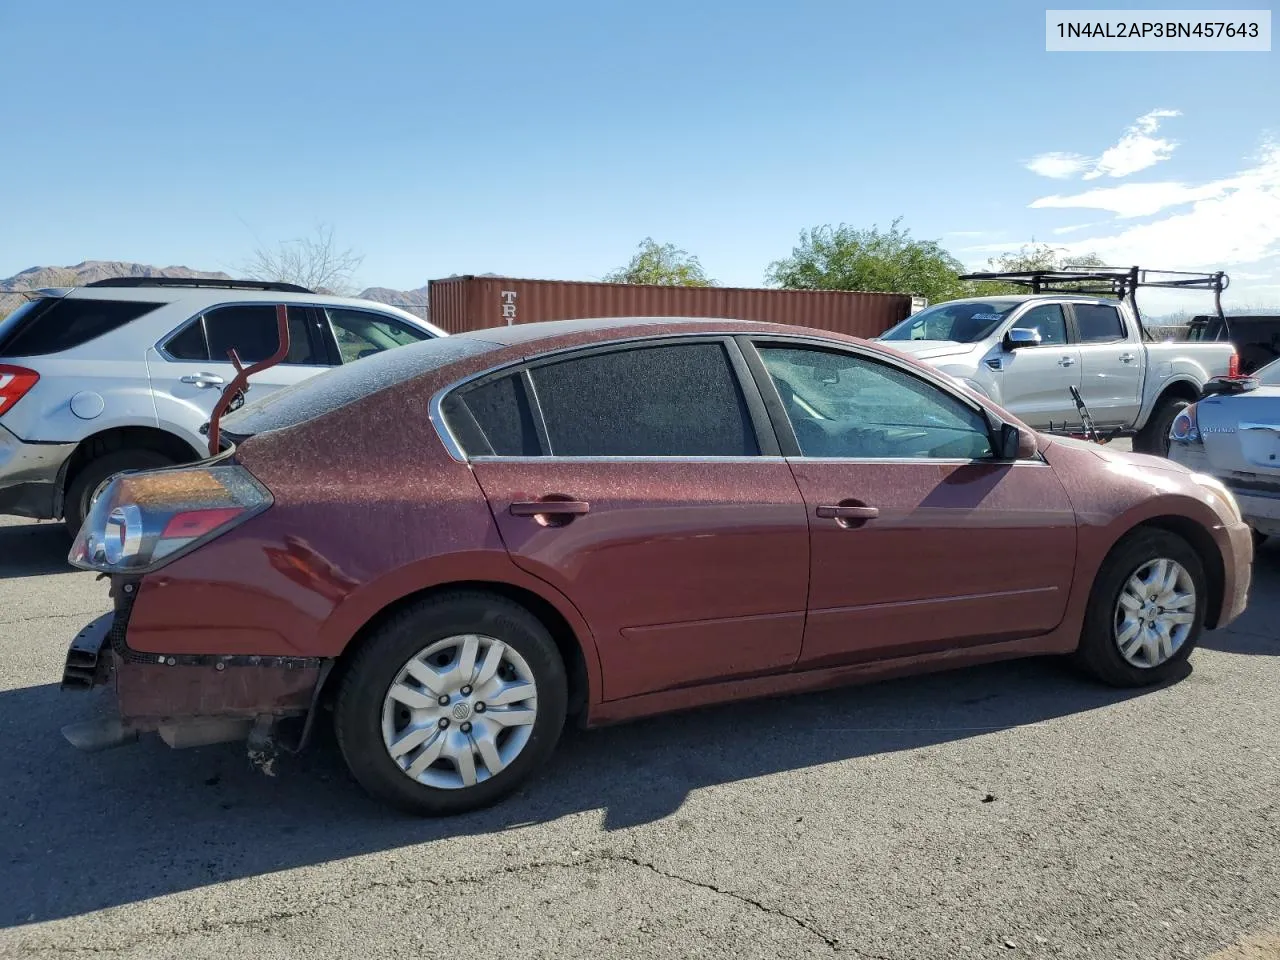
1099, 653
1154, 437
83, 485
375, 665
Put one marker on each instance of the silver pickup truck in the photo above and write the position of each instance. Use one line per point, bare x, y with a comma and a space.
1025, 352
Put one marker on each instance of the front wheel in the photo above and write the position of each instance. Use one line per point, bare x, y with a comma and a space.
452, 703
1154, 437
1146, 611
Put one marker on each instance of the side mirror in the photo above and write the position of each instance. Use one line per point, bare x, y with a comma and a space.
1017, 442
1020, 337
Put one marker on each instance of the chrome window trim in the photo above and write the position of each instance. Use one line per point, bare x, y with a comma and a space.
435, 411
628, 459
942, 461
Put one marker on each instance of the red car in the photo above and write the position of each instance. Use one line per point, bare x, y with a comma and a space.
459, 544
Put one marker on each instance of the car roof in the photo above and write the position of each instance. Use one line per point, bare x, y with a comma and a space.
556, 334
200, 298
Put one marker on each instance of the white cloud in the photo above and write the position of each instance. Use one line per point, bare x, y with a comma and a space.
1135, 199
1059, 166
1231, 221
1137, 149
1074, 228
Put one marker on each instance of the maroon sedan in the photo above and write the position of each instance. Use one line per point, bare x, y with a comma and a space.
459, 544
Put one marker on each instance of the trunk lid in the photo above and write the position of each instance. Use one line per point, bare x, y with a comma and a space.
1241, 432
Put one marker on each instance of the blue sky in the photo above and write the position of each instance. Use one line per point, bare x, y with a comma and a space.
548, 139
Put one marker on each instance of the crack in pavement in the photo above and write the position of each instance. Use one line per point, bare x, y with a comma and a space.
805, 925
54, 616
315, 907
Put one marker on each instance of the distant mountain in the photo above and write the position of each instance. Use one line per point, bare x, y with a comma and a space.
396, 298
35, 278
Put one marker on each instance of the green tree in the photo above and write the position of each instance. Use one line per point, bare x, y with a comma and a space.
884, 261
1031, 256
665, 265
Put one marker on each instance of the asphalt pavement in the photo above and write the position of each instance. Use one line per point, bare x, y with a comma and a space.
1010, 810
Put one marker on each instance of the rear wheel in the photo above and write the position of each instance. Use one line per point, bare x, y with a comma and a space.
1146, 611
92, 475
451, 704
1154, 437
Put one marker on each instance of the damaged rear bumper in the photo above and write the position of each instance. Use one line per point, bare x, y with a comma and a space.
189, 699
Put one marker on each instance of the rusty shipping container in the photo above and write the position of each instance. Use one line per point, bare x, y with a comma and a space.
459, 304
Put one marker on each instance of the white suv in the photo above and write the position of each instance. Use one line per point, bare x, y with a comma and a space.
122, 374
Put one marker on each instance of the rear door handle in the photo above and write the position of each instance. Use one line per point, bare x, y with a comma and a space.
1127, 358
841, 512
204, 379
1066, 362
558, 508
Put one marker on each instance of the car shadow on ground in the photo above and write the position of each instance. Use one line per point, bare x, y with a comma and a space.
79, 832
34, 550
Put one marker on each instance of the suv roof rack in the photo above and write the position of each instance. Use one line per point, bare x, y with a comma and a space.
1119, 282
272, 285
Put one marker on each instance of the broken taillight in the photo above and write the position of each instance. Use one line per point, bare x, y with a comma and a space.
14, 384
140, 521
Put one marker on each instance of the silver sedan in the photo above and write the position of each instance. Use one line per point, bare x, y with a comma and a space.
1236, 437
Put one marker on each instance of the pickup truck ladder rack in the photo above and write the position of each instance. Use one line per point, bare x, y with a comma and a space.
1119, 282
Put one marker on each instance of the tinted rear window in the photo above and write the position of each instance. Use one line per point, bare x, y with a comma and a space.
673, 401
339, 386
249, 328
51, 325
1098, 323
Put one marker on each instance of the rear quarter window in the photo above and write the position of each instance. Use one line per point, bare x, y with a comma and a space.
51, 324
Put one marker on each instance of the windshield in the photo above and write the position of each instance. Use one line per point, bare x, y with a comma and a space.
962, 321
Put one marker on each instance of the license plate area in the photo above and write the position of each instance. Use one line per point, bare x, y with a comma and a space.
1260, 444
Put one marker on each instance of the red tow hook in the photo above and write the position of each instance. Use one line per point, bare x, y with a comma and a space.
240, 382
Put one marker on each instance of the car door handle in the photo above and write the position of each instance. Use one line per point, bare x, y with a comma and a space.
848, 512
204, 379
1127, 358
1066, 362
550, 508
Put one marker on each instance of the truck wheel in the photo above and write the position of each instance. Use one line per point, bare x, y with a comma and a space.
84, 484
1154, 437
451, 703
1146, 610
